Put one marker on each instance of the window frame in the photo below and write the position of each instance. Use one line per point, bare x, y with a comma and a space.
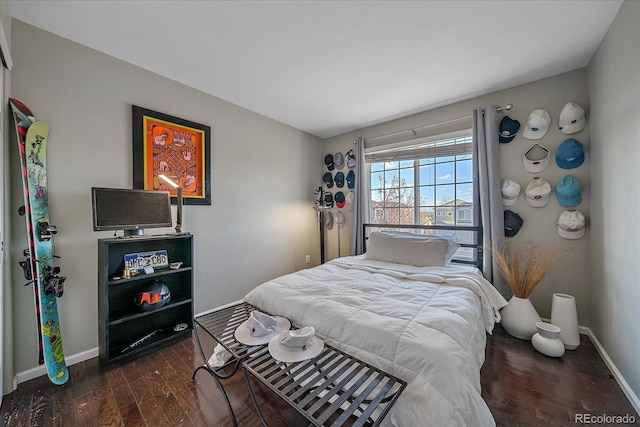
430, 152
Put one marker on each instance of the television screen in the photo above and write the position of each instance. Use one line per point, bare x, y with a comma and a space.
130, 210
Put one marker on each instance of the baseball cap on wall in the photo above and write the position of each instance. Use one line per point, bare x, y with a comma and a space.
340, 199
351, 159
570, 154
512, 223
568, 191
510, 191
351, 179
537, 158
328, 179
571, 118
328, 160
571, 225
351, 196
328, 200
328, 220
508, 129
338, 159
537, 124
538, 192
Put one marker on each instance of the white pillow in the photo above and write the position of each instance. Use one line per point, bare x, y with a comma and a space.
411, 249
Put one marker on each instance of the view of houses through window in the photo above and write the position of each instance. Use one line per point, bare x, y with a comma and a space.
428, 184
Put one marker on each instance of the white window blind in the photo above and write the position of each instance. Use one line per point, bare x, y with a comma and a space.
453, 144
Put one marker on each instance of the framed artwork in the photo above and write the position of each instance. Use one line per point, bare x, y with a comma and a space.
177, 148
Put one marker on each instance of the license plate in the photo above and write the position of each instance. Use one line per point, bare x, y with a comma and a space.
140, 260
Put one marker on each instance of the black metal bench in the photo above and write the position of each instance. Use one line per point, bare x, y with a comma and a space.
332, 388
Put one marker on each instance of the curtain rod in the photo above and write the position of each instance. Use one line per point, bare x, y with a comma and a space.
413, 130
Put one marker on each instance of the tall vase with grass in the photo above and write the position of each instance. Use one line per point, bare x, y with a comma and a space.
523, 265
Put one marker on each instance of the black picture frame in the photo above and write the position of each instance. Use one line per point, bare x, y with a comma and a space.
177, 147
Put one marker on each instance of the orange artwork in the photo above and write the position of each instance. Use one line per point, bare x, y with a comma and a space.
173, 147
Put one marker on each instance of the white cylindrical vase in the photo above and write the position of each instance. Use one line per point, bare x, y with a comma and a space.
547, 340
565, 315
519, 318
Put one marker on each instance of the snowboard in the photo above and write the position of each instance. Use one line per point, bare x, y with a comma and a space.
22, 119
48, 283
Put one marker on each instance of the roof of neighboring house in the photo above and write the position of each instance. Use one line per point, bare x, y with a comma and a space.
456, 202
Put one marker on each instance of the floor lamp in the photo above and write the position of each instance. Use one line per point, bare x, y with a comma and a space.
179, 201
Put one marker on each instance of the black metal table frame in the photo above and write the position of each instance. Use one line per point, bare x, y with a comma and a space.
220, 325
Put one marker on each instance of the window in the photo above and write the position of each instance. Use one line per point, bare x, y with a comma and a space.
428, 183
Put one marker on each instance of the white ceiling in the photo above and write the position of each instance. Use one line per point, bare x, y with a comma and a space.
329, 67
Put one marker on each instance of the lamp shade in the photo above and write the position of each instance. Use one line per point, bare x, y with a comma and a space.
178, 200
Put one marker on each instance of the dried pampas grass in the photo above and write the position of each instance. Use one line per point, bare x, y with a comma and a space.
524, 264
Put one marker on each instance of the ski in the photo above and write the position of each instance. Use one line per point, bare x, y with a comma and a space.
22, 119
38, 265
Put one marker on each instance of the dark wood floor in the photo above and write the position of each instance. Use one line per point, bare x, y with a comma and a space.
521, 387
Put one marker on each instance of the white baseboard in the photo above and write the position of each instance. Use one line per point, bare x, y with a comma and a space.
218, 308
633, 398
40, 370
80, 357
624, 385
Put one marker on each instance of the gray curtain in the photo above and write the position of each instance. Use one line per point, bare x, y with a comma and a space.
486, 152
361, 201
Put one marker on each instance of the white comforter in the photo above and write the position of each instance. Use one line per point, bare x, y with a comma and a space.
425, 325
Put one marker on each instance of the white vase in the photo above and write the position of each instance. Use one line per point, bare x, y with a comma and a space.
547, 340
519, 318
565, 316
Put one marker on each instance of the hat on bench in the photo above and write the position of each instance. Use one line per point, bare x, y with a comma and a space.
259, 328
296, 345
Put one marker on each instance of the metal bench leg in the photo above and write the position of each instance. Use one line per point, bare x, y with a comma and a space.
211, 372
253, 398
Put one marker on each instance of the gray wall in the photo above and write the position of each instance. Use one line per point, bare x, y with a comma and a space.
614, 86
6, 297
571, 276
261, 223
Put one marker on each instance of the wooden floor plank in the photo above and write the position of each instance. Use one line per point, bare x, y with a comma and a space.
107, 408
131, 416
42, 408
521, 387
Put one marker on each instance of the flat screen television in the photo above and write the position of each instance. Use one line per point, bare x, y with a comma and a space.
130, 210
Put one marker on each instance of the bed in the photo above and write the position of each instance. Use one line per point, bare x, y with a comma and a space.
405, 308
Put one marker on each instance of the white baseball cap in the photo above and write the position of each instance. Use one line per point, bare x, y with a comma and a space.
571, 118
296, 345
538, 192
571, 225
350, 199
510, 191
537, 158
537, 124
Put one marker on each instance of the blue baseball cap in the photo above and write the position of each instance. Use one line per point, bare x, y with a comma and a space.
570, 154
568, 191
339, 180
351, 179
508, 129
